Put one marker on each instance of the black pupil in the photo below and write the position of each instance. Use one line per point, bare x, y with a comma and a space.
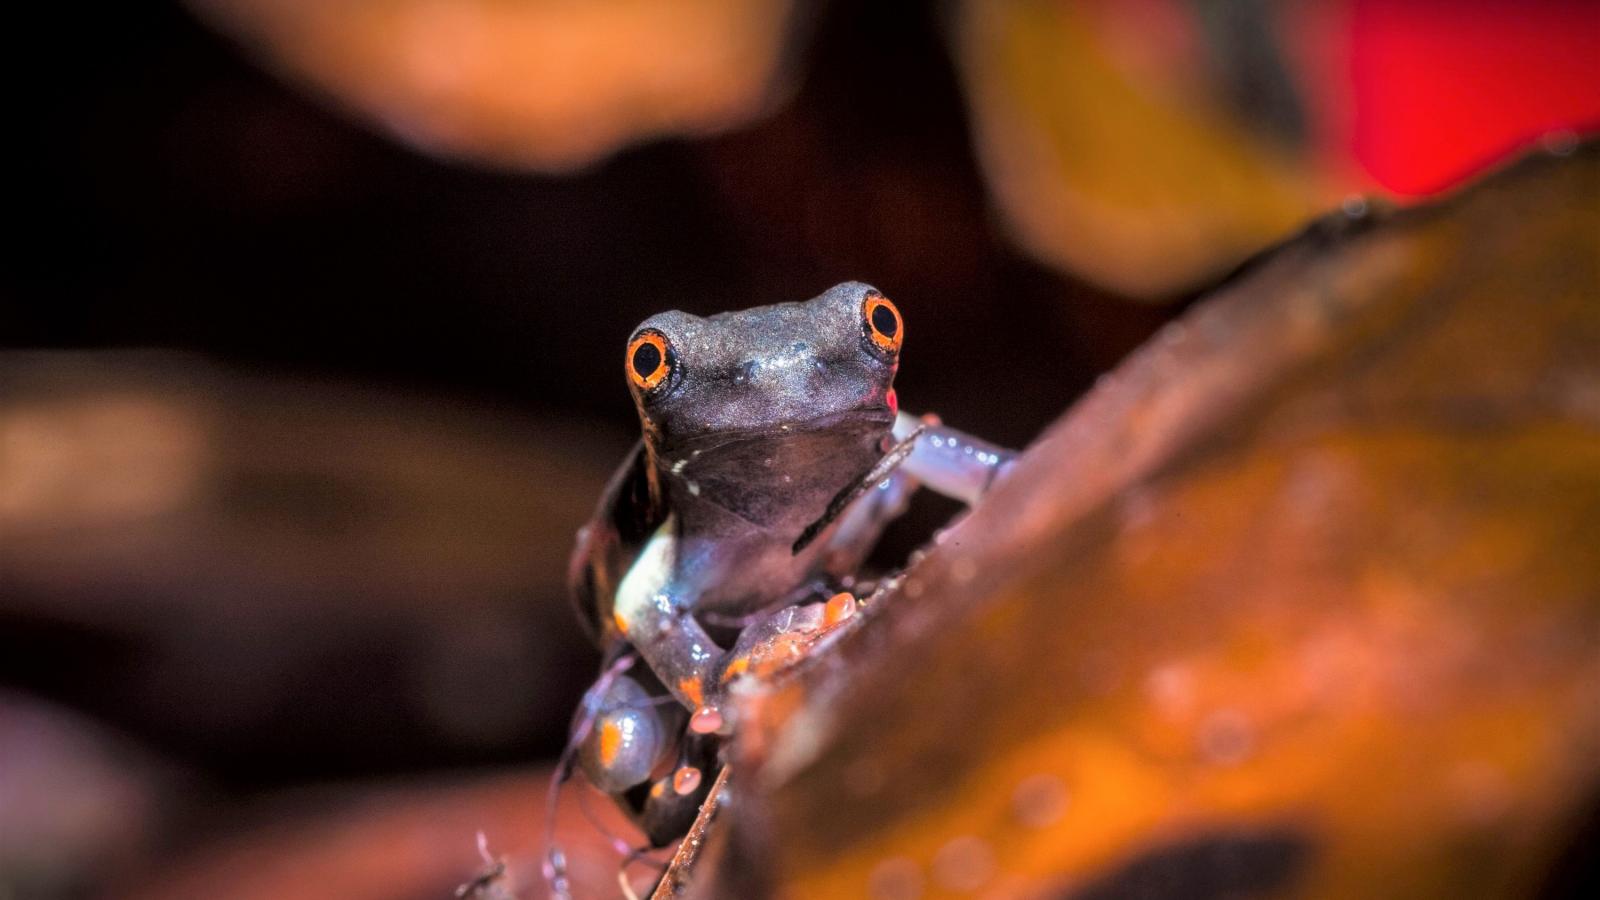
884, 321
646, 359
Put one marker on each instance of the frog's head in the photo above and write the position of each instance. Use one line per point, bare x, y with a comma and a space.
788, 388
821, 364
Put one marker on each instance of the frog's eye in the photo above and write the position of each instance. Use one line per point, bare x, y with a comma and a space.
650, 360
882, 323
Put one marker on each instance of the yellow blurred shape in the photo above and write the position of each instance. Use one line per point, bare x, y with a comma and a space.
88, 461
542, 84
1103, 171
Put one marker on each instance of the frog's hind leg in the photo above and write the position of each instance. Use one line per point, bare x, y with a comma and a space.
639, 752
619, 736
667, 808
926, 454
554, 865
632, 733
634, 857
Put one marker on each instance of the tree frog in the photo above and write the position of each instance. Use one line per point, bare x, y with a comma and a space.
773, 454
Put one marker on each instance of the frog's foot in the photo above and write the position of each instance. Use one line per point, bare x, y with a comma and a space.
770, 646
786, 637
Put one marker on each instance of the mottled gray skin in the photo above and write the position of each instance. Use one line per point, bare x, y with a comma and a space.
768, 415
778, 410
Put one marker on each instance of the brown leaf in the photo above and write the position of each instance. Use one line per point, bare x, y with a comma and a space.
1304, 597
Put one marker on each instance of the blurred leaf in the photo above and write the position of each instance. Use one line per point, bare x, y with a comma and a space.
75, 800
395, 842
1138, 177
541, 84
242, 565
1303, 598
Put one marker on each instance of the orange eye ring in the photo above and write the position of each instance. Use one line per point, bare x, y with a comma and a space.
882, 323
649, 360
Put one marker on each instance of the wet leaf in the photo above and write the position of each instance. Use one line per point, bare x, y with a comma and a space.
1304, 597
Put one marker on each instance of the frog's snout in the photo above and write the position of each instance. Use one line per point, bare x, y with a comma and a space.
795, 373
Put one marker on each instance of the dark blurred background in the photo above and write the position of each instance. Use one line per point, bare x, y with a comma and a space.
308, 376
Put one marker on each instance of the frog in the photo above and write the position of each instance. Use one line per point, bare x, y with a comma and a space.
773, 453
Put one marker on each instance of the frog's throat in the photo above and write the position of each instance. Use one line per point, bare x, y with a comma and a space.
851, 422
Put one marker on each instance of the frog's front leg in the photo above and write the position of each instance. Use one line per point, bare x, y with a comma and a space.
948, 461
653, 610
929, 454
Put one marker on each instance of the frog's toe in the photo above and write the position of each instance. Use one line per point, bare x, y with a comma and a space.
840, 608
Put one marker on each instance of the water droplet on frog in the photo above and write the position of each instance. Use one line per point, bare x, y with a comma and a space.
1355, 206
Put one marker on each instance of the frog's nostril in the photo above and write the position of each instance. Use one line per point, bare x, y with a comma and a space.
746, 372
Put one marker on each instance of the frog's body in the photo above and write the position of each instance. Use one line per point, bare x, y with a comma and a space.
758, 426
